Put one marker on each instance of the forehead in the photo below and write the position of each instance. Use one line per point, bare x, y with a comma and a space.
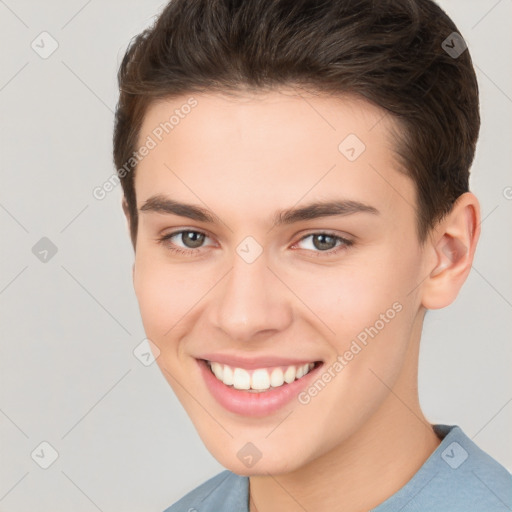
281, 146
289, 114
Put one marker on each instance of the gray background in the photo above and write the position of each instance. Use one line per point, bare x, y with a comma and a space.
69, 325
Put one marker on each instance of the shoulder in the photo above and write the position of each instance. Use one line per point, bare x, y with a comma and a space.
480, 476
459, 476
226, 490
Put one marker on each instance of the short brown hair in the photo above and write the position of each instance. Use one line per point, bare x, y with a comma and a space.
389, 52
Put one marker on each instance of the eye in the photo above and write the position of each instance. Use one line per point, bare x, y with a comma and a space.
320, 244
192, 241
326, 244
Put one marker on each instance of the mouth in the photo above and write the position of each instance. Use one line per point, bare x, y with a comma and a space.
256, 391
259, 380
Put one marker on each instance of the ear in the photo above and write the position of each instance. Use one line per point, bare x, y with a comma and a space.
453, 244
126, 211
124, 204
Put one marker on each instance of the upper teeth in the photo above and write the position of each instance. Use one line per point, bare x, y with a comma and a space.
259, 379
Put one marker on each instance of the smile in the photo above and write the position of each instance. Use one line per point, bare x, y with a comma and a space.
260, 379
256, 387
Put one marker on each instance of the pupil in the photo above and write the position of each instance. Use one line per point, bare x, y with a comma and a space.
193, 238
323, 244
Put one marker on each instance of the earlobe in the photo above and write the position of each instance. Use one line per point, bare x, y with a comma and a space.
454, 245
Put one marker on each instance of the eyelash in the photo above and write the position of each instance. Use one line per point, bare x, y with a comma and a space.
345, 243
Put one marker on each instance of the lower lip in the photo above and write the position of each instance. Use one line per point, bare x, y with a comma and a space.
248, 403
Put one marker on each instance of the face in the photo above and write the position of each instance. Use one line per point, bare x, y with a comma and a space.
277, 248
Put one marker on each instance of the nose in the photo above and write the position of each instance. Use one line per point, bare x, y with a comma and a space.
250, 301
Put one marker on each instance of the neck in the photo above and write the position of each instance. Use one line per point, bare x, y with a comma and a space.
363, 470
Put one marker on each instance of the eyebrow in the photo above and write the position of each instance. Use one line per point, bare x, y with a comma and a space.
319, 209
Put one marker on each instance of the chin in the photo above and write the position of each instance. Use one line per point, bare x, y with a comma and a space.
249, 461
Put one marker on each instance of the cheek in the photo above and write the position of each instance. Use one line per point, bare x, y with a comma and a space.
376, 311
351, 296
165, 294
368, 309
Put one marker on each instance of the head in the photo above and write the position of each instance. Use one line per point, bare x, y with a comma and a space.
257, 114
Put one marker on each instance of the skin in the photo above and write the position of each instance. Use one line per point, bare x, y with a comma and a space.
364, 435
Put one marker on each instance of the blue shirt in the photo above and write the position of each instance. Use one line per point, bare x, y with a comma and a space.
457, 477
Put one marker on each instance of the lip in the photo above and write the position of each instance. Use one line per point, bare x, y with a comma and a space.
251, 404
255, 362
